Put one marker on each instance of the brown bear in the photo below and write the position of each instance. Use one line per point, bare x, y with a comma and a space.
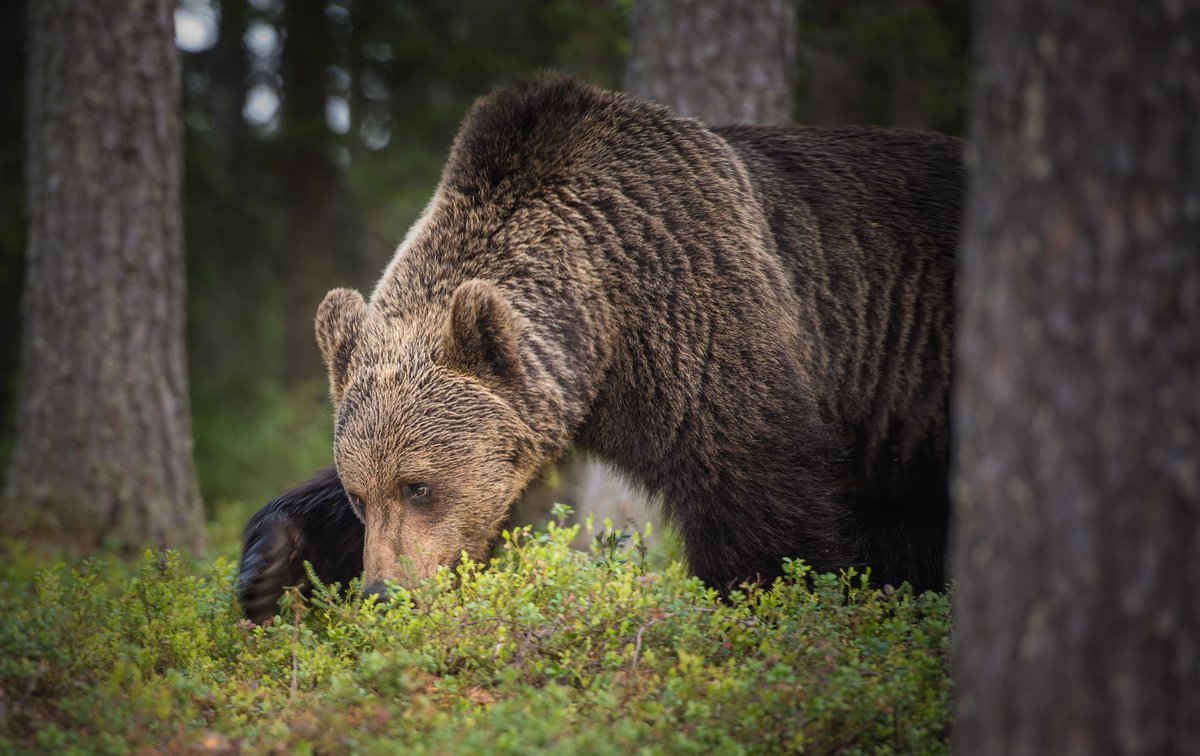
754, 322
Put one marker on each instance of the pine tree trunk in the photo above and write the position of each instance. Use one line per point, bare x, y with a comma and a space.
1077, 528
103, 450
722, 61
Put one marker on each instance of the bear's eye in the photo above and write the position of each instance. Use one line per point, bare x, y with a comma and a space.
419, 493
357, 505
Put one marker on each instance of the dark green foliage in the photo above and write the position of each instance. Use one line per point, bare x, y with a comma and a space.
549, 649
883, 62
248, 448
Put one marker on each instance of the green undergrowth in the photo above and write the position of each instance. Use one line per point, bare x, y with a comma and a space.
548, 649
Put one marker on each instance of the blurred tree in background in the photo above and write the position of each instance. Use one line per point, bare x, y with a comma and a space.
12, 207
319, 224
722, 61
316, 131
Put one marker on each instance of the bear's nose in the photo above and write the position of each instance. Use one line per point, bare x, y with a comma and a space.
376, 589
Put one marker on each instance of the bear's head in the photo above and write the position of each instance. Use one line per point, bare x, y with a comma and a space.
428, 440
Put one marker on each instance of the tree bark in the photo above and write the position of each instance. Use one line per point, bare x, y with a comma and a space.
1077, 527
103, 450
722, 61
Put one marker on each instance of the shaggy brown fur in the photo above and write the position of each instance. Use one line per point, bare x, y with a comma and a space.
755, 322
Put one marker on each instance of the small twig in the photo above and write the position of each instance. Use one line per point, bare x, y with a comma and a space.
637, 643
295, 646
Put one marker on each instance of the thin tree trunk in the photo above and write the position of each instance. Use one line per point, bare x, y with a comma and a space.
103, 449
230, 70
1077, 528
314, 190
13, 44
722, 61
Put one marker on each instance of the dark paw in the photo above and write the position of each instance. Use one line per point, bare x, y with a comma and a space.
269, 565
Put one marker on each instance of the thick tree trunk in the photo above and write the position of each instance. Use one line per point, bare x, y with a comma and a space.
103, 449
1077, 529
722, 61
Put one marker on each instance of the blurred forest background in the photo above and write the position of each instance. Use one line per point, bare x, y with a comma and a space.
315, 133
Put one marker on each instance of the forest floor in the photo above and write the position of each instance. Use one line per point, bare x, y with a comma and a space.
548, 649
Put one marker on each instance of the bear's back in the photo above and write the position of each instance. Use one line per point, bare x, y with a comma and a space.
866, 221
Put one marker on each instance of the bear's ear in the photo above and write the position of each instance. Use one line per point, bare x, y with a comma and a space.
339, 319
480, 336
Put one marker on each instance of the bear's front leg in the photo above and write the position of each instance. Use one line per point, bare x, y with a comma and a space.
312, 523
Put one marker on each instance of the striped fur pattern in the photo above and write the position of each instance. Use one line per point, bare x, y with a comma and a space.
754, 322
